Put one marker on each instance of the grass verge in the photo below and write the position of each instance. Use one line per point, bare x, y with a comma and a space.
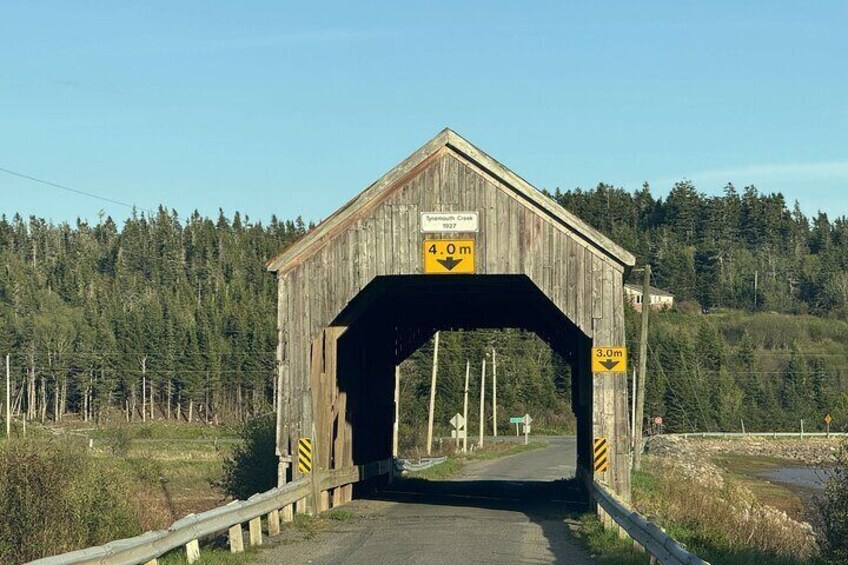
209, 556
606, 546
722, 523
457, 461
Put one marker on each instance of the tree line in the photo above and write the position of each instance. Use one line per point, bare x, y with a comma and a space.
160, 318
745, 251
170, 317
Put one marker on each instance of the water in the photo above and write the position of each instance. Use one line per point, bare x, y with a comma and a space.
812, 478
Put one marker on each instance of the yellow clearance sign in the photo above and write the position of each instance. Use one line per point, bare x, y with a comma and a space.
609, 359
448, 256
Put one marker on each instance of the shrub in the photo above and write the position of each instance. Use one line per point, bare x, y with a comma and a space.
55, 498
833, 508
119, 441
252, 467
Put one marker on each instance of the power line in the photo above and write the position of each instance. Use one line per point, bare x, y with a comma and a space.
69, 189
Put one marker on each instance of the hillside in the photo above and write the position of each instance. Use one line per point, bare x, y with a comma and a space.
182, 309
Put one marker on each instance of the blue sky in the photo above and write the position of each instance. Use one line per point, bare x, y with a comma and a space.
271, 107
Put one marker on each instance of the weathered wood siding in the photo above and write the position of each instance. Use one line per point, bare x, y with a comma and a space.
383, 238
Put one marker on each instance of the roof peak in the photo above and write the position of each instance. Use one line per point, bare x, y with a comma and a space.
456, 143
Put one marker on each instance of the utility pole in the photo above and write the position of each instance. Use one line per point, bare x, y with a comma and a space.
494, 393
643, 367
8, 399
433, 395
465, 407
396, 427
482, 403
633, 412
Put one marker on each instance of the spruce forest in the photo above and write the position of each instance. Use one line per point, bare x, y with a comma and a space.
166, 317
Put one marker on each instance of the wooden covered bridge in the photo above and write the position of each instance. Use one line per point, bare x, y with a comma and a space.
448, 239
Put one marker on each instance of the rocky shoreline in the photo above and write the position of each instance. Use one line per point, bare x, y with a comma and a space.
691, 459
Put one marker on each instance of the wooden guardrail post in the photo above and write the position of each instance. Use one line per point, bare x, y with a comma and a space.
236, 539
255, 526
288, 513
192, 551
273, 522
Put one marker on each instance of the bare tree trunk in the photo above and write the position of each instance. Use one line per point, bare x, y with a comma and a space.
168, 409
63, 401
179, 405
144, 389
56, 399
152, 394
190, 409
31, 399
132, 402
43, 399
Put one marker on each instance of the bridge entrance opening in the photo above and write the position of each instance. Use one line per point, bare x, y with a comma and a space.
382, 333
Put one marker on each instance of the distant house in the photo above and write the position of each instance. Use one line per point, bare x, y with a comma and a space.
660, 299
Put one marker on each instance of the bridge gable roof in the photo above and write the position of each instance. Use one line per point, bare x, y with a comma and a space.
449, 140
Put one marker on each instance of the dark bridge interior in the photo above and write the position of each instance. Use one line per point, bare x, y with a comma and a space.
394, 315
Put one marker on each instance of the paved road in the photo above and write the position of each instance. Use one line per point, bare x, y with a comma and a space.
510, 510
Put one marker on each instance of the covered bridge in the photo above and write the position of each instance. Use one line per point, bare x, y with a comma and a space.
447, 239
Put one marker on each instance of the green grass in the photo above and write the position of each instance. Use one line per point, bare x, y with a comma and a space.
338, 515
165, 430
606, 545
209, 556
439, 472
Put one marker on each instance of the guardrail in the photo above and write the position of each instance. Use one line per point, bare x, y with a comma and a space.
423, 463
188, 531
656, 542
774, 435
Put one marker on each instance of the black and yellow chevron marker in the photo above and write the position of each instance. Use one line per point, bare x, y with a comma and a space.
601, 454
304, 455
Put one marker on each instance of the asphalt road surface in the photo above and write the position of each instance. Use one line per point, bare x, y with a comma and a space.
517, 509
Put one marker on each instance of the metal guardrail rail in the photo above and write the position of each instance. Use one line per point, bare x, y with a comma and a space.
656, 542
796, 435
423, 463
186, 532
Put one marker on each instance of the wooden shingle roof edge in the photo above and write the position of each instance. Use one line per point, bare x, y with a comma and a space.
448, 138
